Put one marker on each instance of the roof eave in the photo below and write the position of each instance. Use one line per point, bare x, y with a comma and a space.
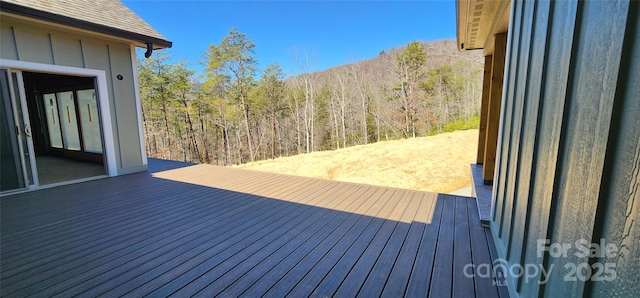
461, 21
478, 21
138, 39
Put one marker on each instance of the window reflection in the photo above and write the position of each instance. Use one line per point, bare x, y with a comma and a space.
53, 123
69, 121
89, 121
72, 120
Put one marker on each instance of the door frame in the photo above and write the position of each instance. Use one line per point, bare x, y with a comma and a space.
18, 97
101, 91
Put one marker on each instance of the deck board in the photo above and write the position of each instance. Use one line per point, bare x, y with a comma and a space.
243, 281
310, 261
307, 285
396, 284
188, 264
80, 255
463, 285
196, 286
380, 272
484, 286
183, 229
360, 271
442, 277
336, 276
420, 279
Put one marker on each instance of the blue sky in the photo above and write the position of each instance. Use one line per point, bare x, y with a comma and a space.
334, 32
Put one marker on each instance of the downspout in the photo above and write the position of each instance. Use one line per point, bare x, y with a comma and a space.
149, 51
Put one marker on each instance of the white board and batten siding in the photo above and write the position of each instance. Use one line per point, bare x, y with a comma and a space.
568, 165
27, 41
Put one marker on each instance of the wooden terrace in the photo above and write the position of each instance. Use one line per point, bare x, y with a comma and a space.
182, 230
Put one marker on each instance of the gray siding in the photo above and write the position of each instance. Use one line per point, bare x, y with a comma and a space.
569, 161
33, 45
31, 42
67, 51
621, 178
8, 48
125, 108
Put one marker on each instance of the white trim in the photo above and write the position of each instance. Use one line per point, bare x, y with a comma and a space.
107, 130
25, 115
103, 95
136, 90
15, 101
41, 187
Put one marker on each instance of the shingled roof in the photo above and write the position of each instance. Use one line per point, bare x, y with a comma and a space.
103, 16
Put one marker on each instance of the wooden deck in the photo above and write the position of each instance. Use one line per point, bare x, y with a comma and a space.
182, 230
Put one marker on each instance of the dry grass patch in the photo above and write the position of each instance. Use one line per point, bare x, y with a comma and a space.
437, 163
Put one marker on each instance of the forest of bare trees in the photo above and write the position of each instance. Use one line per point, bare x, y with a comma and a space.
232, 114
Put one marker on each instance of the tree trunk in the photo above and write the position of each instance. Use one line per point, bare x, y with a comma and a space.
335, 123
307, 134
364, 105
203, 135
245, 110
279, 135
146, 129
297, 123
239, 144
313, 117
166, 127
405, 105
365, 133
273, 133
225, 137
191, 132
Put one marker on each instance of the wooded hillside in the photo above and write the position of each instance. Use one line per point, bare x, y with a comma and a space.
233, 114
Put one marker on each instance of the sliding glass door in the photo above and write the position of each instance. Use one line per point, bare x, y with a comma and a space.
11, 177
18, 158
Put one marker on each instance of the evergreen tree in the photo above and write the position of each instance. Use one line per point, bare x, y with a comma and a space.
234, 58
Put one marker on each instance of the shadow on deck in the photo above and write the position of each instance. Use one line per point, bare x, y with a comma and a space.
183, 229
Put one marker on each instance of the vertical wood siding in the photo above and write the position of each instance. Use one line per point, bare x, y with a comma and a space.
8, 48
569, 164
35, 43
484, 109
529, 129
67, 51
523, 81
502, 204
617, 216
554, 85
125, 105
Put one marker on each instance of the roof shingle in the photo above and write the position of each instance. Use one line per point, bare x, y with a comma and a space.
108, 13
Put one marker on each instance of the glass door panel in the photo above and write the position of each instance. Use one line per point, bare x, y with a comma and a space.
89, 121
69, 122
53, 122
24, 128
11, 165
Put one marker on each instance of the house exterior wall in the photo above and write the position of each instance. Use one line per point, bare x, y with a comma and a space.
23, 40
568, 166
